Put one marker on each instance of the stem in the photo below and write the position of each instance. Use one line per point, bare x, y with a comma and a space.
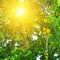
46, 48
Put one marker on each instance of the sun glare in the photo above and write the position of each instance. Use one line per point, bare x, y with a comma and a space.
22, 0
20, 12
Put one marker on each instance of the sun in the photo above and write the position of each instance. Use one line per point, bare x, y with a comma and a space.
20, 12
22, 0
